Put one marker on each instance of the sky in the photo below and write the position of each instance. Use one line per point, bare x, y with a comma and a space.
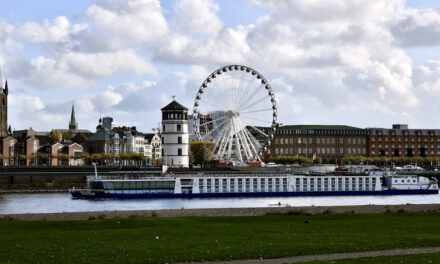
364, 63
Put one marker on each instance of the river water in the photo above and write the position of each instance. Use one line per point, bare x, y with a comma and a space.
62, 202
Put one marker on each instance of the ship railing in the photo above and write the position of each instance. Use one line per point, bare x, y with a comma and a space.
124, 177
241, 175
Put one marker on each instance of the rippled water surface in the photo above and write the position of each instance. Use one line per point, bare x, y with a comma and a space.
62, 202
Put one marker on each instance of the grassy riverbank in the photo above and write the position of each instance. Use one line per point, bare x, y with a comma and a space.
160, 240
402, 259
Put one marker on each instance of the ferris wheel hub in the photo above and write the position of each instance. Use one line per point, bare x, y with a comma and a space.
232, 114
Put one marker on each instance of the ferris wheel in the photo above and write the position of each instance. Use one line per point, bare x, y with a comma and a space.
235, 108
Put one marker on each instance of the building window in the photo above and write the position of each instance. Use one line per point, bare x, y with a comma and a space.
179, 128
179, 152
281, 141
163, 128
179, 140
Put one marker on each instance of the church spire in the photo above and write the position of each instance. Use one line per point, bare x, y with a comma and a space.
73, 125
6, 87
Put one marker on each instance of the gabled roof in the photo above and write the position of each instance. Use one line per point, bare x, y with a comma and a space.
102, 134
174, 105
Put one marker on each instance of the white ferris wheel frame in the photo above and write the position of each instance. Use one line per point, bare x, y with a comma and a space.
233, 138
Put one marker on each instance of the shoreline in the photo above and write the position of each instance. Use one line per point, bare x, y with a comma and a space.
225, 212
14, 191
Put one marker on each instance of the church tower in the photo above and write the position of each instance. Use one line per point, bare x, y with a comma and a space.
73, 125
175, 137
3, 107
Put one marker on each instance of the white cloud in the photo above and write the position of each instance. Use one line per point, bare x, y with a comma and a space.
140, 20
198, 17
417, 28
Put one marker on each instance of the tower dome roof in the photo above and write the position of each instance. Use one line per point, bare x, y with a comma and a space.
174, 105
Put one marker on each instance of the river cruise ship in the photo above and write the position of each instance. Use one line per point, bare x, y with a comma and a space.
251, 185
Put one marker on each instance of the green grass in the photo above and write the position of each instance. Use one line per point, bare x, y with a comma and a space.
401, 259
133, 240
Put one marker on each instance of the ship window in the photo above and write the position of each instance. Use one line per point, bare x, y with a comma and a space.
269, 182
200, 185
305, 185
117, 185
224, 185
217, 187
248, 186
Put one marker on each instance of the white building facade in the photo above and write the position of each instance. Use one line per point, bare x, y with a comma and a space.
175, 137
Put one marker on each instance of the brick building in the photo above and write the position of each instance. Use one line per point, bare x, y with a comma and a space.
402, 141
8, 145
327, 141
105, 141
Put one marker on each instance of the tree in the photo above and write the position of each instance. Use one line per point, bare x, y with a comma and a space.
318, 160
56, 135
201, 151
66, 136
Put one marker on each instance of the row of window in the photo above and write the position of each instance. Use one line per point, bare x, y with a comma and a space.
291, 151
406, 146
277, 185
176, 116
399, 139
406, 152
138, 185
243, 185
320, 132
320, 140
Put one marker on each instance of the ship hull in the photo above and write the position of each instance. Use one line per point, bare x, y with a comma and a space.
108, 195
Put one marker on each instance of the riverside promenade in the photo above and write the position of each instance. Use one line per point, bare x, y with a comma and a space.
216, 212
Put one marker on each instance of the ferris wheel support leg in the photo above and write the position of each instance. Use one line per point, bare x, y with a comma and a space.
237, 143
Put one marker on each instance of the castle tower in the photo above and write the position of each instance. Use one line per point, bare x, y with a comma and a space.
3, 107
73, 125
175, 137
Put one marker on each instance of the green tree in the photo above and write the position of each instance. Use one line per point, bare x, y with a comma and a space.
201, 151
56, 135
66, 136
318, 160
